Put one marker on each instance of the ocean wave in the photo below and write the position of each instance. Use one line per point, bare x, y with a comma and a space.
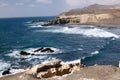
71, 62
4, 65
35, 26
92, 54
95, 52
90, 32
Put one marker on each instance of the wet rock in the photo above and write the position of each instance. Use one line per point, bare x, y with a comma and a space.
39, 49
24, 53
6, 72
47, 50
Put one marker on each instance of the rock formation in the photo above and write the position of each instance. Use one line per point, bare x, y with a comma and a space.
53, 68
94, 14
42, 50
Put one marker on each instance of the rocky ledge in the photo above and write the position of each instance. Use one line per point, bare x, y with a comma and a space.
55, 70
93, 14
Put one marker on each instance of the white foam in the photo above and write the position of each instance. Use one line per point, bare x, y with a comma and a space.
14, 71
4, 65
90, 32
80, 49
72, 62
95, 52
36, 26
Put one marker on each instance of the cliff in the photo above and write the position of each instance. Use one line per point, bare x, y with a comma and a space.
93, 14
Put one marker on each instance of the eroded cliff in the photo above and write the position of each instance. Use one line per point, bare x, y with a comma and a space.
94, 14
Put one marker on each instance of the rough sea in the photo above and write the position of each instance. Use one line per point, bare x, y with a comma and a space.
84, 43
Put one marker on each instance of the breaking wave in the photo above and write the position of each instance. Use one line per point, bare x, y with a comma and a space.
90, 32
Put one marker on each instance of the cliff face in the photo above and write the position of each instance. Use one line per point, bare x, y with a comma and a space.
94, 14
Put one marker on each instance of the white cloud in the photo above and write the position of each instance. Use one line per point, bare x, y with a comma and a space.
19, 4
88, 2
32, 5
3, 4
73, 2
44, 1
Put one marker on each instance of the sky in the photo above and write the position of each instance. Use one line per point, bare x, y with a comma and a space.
29, 8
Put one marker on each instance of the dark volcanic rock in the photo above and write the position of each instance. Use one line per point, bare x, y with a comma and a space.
6, 72
39, 49
47, 50
24, 53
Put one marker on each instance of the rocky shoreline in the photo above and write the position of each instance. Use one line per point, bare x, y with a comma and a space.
55, 70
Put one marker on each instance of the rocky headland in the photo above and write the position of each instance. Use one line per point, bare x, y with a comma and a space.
93, 14
55, 70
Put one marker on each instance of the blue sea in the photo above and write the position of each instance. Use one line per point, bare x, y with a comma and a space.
83, 43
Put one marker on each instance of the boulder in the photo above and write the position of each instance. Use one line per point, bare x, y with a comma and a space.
24, 53
48, 50
6, 72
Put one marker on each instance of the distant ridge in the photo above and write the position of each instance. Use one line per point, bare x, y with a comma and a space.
93, 14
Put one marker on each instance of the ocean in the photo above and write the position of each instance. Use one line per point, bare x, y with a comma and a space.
84, 43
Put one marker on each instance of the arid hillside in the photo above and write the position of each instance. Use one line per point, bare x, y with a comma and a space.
93, 14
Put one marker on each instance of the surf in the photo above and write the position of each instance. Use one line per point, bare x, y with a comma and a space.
86, 31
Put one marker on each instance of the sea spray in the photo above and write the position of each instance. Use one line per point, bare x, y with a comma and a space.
89, 32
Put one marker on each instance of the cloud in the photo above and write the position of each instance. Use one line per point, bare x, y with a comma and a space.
4, 4
88, 2
44, 1
19, 4
32, 5
73, 2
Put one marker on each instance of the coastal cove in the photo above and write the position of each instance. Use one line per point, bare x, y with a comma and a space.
85, 43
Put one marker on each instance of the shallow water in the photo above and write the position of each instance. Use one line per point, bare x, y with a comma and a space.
85, 43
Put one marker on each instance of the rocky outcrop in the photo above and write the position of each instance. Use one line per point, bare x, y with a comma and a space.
42, 50
77, 72
94, 14
53, 68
